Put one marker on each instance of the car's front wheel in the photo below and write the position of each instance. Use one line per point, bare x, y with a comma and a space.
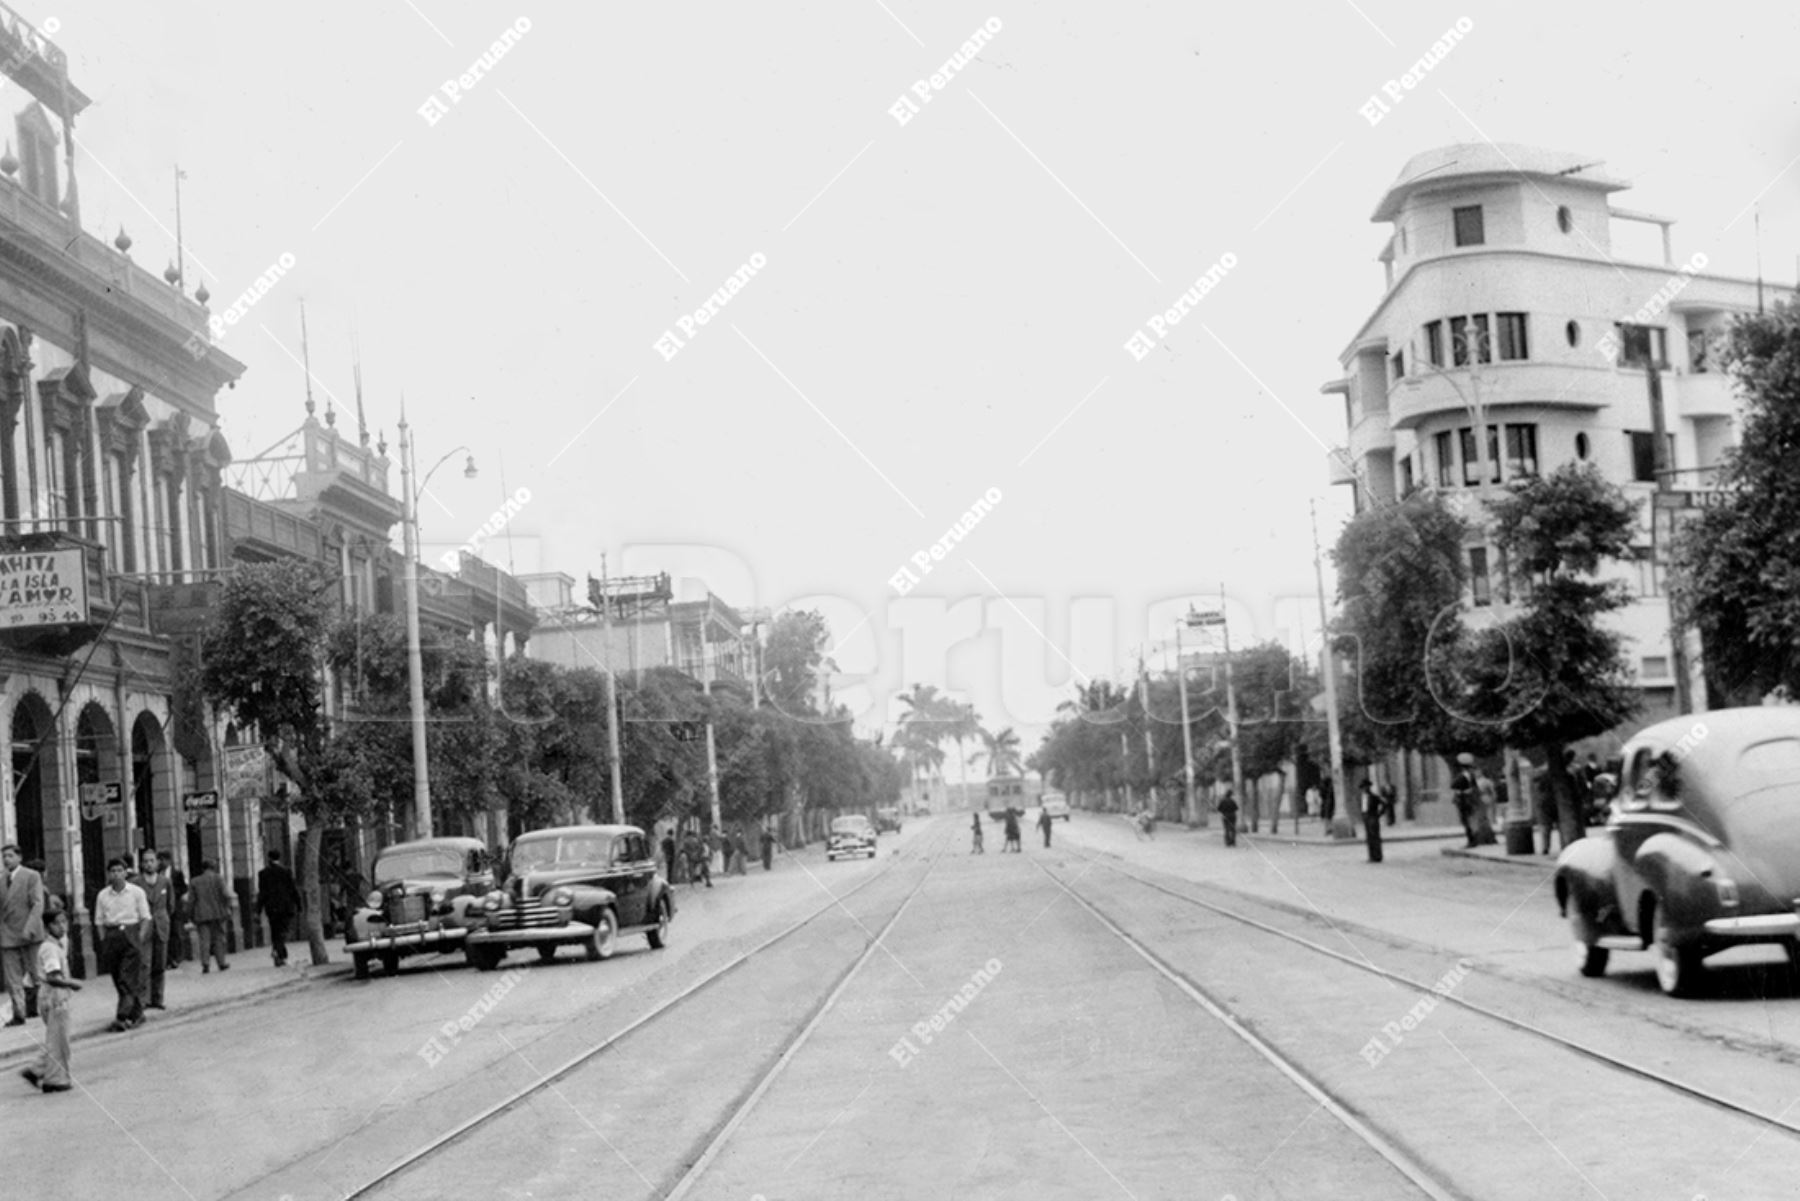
546, 951
659, 937
390, 963
360, 961
484, 958
1678, 965
604, 941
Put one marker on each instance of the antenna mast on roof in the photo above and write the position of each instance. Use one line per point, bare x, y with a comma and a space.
305, 359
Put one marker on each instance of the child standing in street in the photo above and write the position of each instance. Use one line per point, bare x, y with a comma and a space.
51, 1071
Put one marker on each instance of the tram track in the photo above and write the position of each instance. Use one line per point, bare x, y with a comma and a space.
1768, 1121
654, 1021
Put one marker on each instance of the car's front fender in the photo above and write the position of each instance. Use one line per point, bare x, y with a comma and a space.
1584, 881
589, 899
362, 923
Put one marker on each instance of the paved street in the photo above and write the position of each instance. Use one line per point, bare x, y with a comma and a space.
998, 1041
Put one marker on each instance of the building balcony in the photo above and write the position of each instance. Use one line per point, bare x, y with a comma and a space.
1431, 393
1372, 433
258, 531
1339, 467
1708, 394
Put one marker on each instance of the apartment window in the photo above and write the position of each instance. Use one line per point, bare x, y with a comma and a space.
1699, 351
1512, 336
126, 535
1399, 365
1640, 344
1479, 587
1469, 230
1446, 463
1459, 341
1521, 451
1643, 454
1472, 458
1434, 342
1484, 347
1406, 476
1656, 667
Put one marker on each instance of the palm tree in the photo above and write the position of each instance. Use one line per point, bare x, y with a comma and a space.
959, 723
921, 728
1001, 753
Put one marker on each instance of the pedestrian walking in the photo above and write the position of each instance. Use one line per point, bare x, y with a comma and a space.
1390, 802
159, 891
1463, 794
668, 850
181, 949
212, 910
122, 913
1373, 807
977, 848
768, 849
1045, 821
699, 859
1228, 814
279, 901
1012, 831
1146, 823
1543, 808
51, 1071
740, 853
21, 930
1327, 799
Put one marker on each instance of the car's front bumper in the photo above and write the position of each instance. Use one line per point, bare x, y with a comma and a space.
571, 932
1755, 926
417, 940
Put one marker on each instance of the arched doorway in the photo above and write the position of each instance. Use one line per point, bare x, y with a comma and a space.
33, 766
97, 761
150, 783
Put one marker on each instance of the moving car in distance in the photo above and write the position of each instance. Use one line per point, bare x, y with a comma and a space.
887, 819
1702, 851
1056, 805
580, 886
419, 905
851, 835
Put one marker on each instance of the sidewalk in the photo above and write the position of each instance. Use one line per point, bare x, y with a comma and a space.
187, 991
1316, 835
1496, 853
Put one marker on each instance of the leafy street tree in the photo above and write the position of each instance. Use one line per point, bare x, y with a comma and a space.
264, 651
792, 658
1000, 752
1274, 691
1737, 567
1554, 674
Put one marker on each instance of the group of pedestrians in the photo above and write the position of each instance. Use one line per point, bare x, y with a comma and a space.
695, 853
1010, 825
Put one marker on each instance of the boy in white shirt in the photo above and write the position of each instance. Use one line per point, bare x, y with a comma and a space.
51, 1071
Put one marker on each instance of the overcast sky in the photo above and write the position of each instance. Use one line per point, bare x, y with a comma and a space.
944, 304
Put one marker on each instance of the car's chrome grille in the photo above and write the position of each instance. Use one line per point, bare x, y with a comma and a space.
525, 915
405, 910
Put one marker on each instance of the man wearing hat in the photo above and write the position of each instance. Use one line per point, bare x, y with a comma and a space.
1463, 793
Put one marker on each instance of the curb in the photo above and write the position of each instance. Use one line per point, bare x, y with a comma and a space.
1533, 860
187, 1014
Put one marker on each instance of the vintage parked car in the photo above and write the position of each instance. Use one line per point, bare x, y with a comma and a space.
851, 835
1702, 851
573, 885
1056, 805
887, 819
423, 892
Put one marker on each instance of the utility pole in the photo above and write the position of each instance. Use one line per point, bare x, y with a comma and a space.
1231, 709
1328, 661
612, 702
1684, 700
1149, 744
415, 670
712, 749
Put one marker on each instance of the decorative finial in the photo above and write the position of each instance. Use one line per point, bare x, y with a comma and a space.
381, 446
170, 274
123, 241
330, 414
201, 294
8, 163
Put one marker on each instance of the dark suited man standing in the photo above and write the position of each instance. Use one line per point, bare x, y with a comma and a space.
21, 930
159, 891
279, 901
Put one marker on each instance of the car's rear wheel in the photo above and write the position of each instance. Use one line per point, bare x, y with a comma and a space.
546, 951
604, 941
360, 961
484, 958
1678, 965
659, 937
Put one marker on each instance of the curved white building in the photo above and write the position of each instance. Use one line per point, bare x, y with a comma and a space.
1507, 306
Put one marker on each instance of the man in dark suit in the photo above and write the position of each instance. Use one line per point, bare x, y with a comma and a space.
21, 930
179, 949
279, 901
160, 893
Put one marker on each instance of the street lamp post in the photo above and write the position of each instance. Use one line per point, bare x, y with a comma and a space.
415, 670
1196, 815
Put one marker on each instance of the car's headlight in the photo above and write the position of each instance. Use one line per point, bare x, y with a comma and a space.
437, 896
562, 896
493, 901
1728, 891
374, 899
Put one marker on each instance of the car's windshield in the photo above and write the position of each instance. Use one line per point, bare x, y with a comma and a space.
850, 825
417, 862
571, 850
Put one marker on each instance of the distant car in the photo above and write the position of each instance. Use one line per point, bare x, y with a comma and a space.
887, 819
1055, 805
1701, 852
423, 891
852, 835
573, 885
